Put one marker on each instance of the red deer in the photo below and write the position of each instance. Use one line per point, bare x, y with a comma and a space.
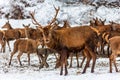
17, 33
21, 30
7, 25
9, 34
63, 42
24, 46
112, 29
109, 34
70, 40
94, 23
115, 48
102, 29
99, 24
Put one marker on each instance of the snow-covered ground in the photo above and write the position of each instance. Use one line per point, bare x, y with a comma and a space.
32, 72
77, 15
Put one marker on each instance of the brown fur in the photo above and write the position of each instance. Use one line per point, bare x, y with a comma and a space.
32, 33
102, 30
115, 47
11, 35
24, 46
71, 40
2, 41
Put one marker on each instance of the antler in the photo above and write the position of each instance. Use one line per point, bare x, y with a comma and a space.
54, 19
34, 21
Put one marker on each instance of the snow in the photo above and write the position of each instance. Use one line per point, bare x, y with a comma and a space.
77, 15
32, 72
4, 2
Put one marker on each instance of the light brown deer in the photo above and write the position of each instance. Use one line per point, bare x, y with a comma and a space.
27, 46
115, 48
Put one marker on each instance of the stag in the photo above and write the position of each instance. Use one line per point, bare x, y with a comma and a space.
69, 40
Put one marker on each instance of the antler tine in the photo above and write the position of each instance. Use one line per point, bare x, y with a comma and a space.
54, 19
34, 21
56, 8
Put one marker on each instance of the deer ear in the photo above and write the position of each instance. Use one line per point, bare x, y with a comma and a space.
23, 25
28, 24
8, 21
104, 20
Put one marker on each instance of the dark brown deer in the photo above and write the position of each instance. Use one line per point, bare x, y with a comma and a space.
43, 54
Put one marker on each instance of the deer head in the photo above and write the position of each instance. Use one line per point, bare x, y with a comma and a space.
46, 29
27, 30
7, 25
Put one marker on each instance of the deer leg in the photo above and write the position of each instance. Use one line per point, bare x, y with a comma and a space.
61, 72
19, 55
29, 59
102, 48
61, 63
12, 56
77, 56
110, 62
41, 58
114, 61
45, 60
108, 52
8, 45
115, 65
3, 45
82, 61
87, 63
58, 63
83, 53
94, 57
63, 60
66, 71
71, 58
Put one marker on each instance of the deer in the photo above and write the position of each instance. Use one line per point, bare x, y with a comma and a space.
63, 41
27, 46
115, 48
